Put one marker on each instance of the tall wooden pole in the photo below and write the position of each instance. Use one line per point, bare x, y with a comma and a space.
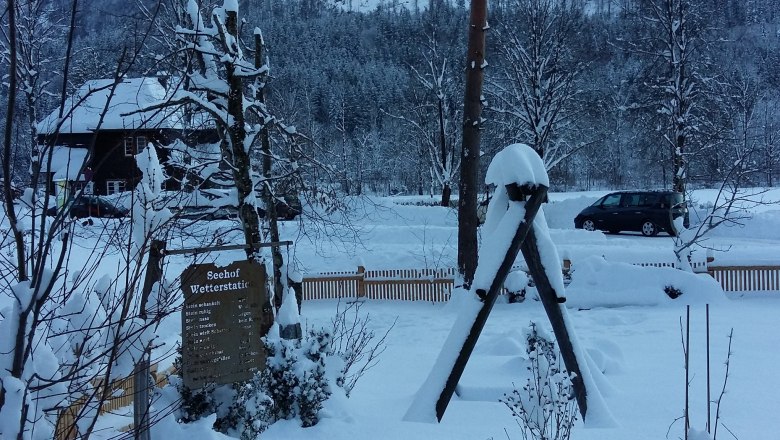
469, 168
709, 397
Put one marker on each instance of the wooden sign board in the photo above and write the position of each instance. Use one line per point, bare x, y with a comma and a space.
226, 312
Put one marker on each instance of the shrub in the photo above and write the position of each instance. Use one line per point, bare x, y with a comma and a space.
295, 376
544, 408
248, 413
195, 404
355, 343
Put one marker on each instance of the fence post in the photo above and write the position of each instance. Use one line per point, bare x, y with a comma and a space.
361, 282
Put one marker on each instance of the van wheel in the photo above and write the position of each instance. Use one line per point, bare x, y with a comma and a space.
588, 225
649, 229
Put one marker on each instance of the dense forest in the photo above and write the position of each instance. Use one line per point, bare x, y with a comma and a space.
612, 93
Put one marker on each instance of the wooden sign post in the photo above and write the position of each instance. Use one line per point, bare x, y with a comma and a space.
226, 312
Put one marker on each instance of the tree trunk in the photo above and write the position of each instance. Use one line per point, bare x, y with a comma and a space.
268, 197
446, 190
469, 171
239, 156
10, 209
446, 193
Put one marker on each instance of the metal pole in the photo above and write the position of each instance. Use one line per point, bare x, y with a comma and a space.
707, 309
687, 372
141, 373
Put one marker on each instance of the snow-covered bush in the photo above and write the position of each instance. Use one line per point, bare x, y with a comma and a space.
294, 384
545, 408
195, 404
295, 376
248, 414
299, 376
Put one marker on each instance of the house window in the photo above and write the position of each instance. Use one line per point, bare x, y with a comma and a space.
114, 186
87, 188
140, 144
129, 146
134, 145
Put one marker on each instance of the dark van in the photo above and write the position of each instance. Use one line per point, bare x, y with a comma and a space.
647, 212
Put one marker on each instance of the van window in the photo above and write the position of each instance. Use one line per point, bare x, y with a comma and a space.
648, 200
599, 201
611, 200
631, 200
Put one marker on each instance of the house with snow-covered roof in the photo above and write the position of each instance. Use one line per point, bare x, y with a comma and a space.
104, 124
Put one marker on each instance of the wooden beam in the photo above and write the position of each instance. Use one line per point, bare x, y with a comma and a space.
230, 247
538, 195
552, 305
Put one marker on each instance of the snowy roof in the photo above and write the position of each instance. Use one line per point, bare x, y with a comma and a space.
65, 162
83, 109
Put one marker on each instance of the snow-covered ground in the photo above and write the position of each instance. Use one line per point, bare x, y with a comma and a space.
630, 328
626, 323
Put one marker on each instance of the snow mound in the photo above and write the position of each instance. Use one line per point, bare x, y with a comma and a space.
762, 225
560, 213
510, 343
600, 283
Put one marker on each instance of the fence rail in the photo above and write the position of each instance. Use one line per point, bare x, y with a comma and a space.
747, 278
122, 391
435, 285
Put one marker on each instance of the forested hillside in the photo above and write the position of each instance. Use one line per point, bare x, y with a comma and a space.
615, 94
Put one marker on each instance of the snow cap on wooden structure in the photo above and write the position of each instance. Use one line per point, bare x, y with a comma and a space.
517, 163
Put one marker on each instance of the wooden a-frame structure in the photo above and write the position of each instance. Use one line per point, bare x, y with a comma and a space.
525, 241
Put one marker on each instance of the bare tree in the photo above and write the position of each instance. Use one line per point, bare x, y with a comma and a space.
535, 90
37, 31
673, 44
769, 138
73, 330
432, 117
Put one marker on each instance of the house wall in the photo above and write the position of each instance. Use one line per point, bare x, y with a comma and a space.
109, 161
